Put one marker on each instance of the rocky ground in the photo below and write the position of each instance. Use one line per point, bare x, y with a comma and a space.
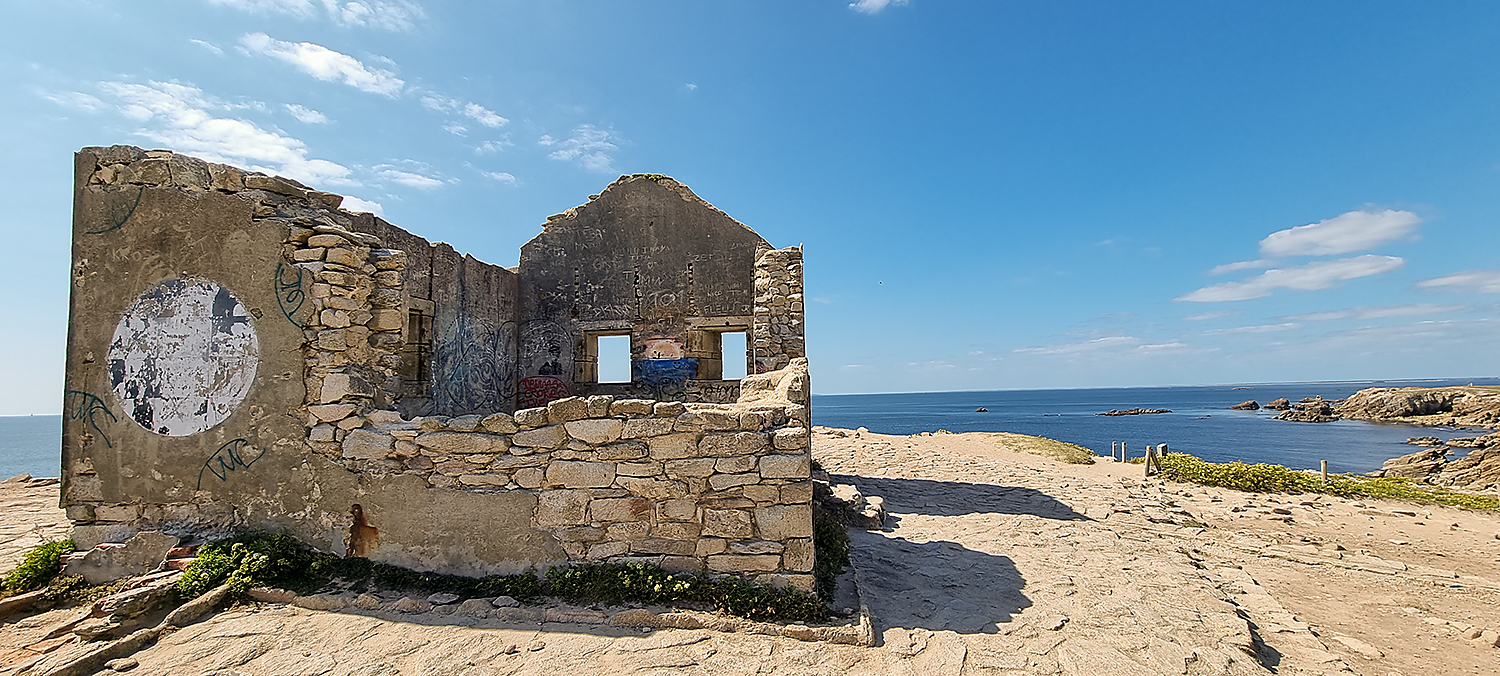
992, 561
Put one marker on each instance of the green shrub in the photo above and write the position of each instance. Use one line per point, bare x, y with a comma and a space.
615, 583
41, 564
831, 551
1261, 478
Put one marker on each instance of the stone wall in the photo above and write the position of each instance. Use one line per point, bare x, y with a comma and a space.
235, 362
778, 332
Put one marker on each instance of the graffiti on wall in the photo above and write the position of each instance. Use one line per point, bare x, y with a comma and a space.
664, 379
234, 454
538, 390
84, 406
289, 294
183, 357
543, 345
119, 213
472, 367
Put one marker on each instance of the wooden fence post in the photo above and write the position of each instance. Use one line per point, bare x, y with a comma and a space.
1325, 472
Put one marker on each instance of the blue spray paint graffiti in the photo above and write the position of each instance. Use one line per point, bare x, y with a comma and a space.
665, 379
119, 221
233, 455
289, 294
83, 406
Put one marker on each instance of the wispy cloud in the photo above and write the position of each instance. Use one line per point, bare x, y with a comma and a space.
1094, 345
1211, 315
469, 109
1376, 312
208, 46
305, 115
411, 176
1309, 277
501, 176
493, 146
1476, 281
1345, 233
325, 64
1261, 328
75, 100
1258, 264
357, 204
183, 118
394, 15
873, 6
589, 146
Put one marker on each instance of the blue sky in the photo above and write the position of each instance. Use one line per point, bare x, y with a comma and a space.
991, 195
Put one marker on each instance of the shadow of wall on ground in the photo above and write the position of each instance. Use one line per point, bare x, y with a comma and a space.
957, 498
937, 585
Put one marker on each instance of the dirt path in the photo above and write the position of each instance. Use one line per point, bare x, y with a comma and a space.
993, 561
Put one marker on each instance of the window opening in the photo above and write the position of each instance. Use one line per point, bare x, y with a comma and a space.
733, 354
614, 359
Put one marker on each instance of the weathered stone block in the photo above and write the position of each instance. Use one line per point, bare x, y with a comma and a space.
674, 446
117, 512
529, 477
576, 474
463, 442
605, 550
695, 467
483, 479
790, 438
678, 510
455, 467
720, 482
798, 555
276, 184
620, 509
320, 433
629, 450
595, 431
663, 546
797, 493
733, 443
531, 417
638, 469
326, 240
637, 428
780, 522
464, 423
386, 320
510, 462
785, 466
711, 546
755, 547
631, 407
744, 563
599, 405
499, 423
331, 412
367, 445
727, 523
551, 436
677, 530
566, 409
762, 493
656, 489
307, 255
735, 465
668, 409
629, 530
562, 508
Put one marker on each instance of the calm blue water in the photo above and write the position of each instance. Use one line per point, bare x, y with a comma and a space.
30, 444
1200, 422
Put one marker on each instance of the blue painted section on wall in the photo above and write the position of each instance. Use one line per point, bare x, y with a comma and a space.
664, 378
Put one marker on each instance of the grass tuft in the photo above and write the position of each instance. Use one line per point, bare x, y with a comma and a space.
1060, 451
40, 565
1263, 478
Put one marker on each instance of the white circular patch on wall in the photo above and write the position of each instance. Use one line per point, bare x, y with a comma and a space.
183, 357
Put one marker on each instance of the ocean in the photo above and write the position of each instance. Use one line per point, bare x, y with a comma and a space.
1200, 423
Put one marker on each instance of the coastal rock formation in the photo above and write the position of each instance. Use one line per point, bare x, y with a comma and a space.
1479, 470
1136, 411
1279, 404
1425, 441
1250, 405
1317, 410
1461, 406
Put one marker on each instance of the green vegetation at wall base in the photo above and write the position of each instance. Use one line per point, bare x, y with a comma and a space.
1262, 478
40, 565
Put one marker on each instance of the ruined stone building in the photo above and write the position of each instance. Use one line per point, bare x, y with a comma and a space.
244, 354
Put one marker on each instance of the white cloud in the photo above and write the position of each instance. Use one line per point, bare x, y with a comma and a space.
1258, 264
471, 110
1174, 345
1377, 312
75, 100
546, 140
181, 117
456, 129
395, 15
357, 204
483, 115
501, 176
493, 146
410, 179
589, 146
325, 64
1309, 277
1096, 344
1477, 281
873, 6
207, 45
1211, 315
1345, 233
690, 86
305, 115
1262, 328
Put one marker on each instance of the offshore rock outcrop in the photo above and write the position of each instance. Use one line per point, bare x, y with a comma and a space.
1315, 411
1479, 470
1463, 406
